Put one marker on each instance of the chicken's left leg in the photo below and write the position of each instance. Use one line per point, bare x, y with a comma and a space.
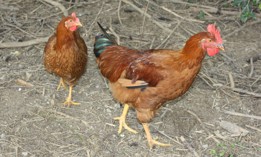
69, 101
122, 119
151, 141
61, 84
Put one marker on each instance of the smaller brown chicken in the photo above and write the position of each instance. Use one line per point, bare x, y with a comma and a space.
65, 54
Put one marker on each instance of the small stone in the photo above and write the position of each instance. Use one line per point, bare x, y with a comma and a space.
205, 146
25, 153
3, 136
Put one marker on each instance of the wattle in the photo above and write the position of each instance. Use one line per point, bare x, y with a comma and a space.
212, 51
73, 28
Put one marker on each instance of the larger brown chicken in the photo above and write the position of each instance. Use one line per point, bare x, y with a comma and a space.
65, 54
145, 80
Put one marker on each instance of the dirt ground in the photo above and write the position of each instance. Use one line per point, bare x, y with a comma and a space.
219, 116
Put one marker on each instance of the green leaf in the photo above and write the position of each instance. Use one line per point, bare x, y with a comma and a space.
213, 152
237, 2
201, 15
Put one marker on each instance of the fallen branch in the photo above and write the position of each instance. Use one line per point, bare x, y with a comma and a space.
189, 146
23, 44
242, 115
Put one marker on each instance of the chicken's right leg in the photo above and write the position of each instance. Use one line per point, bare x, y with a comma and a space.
61, 84
151, 141
122, 119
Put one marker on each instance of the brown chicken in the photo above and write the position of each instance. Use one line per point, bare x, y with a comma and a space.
65, 54
145, 80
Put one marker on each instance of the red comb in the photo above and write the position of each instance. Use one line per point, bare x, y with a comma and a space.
214, 31
73, 15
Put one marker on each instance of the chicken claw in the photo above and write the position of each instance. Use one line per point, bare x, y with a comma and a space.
69, 101
122, 119
61, 84
151, 141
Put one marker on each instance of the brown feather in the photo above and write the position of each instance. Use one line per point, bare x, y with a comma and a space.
169, 74
65, 54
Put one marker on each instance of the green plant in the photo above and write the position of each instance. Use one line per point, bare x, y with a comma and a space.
247, 8
201, 15
222, 150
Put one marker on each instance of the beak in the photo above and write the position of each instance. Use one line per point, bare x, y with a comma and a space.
78, 24
221, 47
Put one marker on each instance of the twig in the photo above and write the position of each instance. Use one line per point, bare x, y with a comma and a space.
256, 80
147, 15
59, 5
205, 81
258, 95
202, 125
242, 115
226, 56
255, 57
162, 133
242, 27
183, 18
23, 44
31, 35
254, 128
95, 19
206, 8
232, 83
189, 146
252, 68
118, 12
24, 83
169, 35
143, 21
114, 33
69, 117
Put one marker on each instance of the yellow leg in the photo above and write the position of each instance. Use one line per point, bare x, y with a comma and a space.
61, 84
122, 119
149, 138
69, 101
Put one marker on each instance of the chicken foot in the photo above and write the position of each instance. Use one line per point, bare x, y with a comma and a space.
122, 119
61, 84
69, 101
151, 141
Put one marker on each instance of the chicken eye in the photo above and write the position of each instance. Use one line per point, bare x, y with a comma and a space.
70, 20
209, 40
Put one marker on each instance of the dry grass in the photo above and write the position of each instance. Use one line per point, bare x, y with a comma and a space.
33, 121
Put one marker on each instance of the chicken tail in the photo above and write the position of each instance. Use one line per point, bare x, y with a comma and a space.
102, 41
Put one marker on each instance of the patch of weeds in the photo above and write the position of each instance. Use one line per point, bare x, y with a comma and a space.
248, 8
223, 150
201, 15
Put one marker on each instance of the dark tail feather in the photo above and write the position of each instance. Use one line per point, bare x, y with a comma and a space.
107, 35
102, 41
